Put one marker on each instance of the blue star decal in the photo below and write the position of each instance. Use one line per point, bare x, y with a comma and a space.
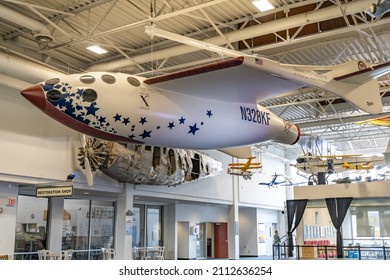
143, 120
102, 119
181, 120
91, 110
193, 129
209, 113
117, 117
171, 125
126, 120
145, 134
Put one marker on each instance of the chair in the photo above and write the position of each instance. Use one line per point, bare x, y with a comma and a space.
160, 255
136, 253
43, 254
4, 257
109, 254
66, 254
145, 253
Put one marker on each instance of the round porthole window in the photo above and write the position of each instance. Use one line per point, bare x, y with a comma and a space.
108, 79
89, 95
53, 95
87, 79
133, 81
52, 81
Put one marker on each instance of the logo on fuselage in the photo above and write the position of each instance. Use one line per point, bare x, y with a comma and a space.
144, 105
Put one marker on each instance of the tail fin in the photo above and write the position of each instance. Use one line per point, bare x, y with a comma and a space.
366, 97
358, 84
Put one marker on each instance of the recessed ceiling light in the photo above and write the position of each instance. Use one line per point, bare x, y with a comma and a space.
97, 49
263, 5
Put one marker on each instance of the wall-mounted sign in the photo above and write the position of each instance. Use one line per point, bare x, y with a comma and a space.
11, 201
54, 191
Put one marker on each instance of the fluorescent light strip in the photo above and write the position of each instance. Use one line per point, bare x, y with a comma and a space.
97, 49
263, 5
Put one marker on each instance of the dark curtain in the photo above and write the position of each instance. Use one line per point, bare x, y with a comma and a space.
295, 210
338, 208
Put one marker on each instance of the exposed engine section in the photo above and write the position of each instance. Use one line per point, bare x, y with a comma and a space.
140, 164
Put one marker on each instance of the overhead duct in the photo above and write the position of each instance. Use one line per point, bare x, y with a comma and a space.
40, 31
25, 70
13, 83
243, 34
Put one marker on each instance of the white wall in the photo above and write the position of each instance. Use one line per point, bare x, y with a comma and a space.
248, 232
32, 144
201, 214
183, 241
253, 194
362, 189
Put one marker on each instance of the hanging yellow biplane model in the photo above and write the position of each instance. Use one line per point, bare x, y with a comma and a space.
337, 163
244, 169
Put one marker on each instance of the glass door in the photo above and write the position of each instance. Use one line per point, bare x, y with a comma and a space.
147, 226
201, 242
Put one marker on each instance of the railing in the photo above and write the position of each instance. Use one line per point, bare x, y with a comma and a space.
94, 254
326, 252
148, 253
280, 251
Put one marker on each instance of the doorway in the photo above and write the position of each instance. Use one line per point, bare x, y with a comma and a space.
212, 241
221, 240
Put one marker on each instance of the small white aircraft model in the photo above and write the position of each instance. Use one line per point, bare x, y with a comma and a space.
208, 107
244, 169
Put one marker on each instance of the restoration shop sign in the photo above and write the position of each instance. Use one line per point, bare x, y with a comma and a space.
52, 191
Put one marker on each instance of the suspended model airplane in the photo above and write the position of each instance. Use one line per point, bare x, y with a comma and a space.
142, 164
286, 181
209, 107
378, 8
274, 183
337, 163
244, 169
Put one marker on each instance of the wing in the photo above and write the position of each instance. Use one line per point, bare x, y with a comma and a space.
382, 121
232, 80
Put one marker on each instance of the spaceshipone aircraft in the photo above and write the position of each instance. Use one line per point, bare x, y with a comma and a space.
213, 106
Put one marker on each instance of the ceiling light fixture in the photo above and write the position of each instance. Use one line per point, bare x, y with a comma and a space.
263, 5
97, 49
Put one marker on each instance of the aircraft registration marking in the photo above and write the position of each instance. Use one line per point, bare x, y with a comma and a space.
254, 115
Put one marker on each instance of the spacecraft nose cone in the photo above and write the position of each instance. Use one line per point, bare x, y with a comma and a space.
35, 95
